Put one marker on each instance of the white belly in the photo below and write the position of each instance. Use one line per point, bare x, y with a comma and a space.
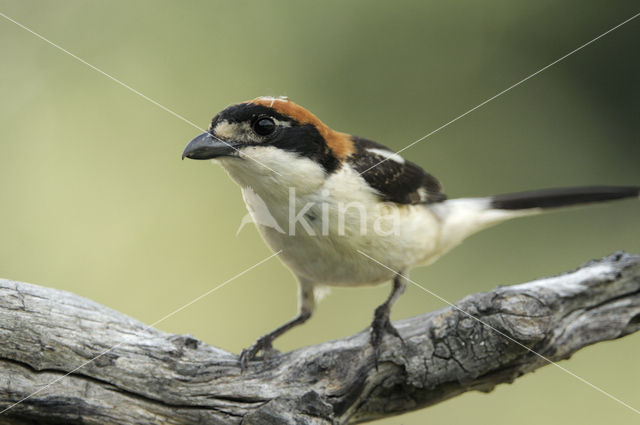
343, 216
323, 240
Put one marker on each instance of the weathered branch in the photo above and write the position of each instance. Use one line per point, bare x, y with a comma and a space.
150, 377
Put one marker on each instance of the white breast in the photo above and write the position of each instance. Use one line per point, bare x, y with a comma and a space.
324, 221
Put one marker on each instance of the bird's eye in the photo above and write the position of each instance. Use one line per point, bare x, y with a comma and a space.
264, 126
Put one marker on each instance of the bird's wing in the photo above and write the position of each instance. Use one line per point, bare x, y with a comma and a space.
395, 179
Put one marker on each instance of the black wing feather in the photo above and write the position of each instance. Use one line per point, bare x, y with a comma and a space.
403, 183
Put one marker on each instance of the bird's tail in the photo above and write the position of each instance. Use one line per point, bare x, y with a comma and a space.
562, 197
463, 217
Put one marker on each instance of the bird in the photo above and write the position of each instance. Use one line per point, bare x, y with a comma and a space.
348, 211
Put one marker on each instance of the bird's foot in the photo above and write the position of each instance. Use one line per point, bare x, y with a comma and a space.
264, 344
380, 326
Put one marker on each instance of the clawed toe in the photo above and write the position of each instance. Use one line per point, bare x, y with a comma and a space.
380, 326
264, 345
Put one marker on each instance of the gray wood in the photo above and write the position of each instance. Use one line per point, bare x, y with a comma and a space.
150, 377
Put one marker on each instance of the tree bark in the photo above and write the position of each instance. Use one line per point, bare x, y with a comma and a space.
108, 368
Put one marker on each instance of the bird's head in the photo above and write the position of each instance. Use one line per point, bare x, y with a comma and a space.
267, 136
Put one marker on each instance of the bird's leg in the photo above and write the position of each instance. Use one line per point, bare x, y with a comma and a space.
381, 324
264, 344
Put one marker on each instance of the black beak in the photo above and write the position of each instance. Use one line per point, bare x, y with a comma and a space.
205, 147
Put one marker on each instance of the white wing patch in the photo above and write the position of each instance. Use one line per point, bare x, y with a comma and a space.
422, 193
387, 155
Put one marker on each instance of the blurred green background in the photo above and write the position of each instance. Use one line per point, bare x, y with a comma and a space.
95, 200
